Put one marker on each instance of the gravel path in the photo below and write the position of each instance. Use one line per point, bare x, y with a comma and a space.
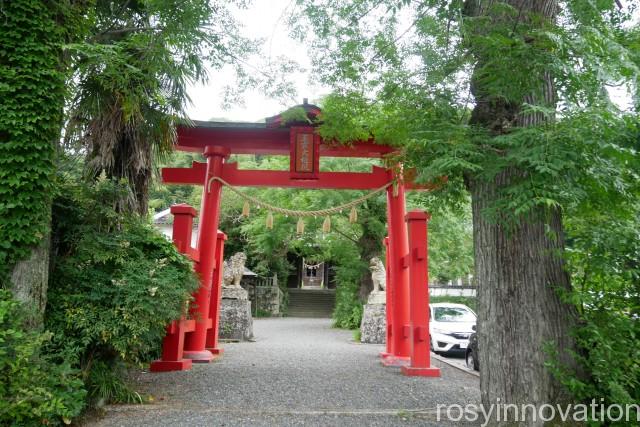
298, 372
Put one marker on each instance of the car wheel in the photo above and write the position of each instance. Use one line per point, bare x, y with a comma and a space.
471, 361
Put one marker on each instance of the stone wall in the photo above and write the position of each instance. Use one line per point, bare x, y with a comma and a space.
268, 298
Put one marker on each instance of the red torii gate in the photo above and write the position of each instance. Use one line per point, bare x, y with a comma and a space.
406, 254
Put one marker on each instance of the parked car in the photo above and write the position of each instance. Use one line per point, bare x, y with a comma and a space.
450, 326
471, 356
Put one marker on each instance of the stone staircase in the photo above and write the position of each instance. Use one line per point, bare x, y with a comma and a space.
311, 302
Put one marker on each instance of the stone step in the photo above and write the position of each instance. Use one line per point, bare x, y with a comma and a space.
311, 303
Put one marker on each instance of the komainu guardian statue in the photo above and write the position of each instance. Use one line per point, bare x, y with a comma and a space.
374, 319
233, 270
378, 275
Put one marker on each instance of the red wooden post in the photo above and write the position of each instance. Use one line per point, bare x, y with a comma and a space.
399, 275
173, 343
389, 303
419, 298
195, 342
216, 296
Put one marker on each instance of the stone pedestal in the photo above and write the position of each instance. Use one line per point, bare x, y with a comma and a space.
377, 297
234, 293
373, 329
235, 315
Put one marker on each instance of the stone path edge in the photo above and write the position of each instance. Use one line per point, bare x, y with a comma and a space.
458, 367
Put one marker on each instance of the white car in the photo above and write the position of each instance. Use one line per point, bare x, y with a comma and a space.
450, 326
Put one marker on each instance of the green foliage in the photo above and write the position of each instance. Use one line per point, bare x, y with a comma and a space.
609, 356
32, 79
348, 311
164, 196
105, 383
604, 257
407, 73
450, 236
348, 246
294, 115
35, 388
261, 313
115, 285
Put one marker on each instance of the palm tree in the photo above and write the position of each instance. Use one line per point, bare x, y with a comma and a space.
130, 83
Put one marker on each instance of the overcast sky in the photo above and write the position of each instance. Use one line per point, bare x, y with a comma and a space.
263, 19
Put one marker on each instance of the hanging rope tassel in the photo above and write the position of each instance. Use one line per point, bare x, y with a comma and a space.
246, 208
270, 221
326, 225
300, 226
395, 188
353, 215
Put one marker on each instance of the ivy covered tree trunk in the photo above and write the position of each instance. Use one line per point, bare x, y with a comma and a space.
519, 265
30, 278
31, 103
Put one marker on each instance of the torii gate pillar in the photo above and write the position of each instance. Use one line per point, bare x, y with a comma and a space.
399, 275
195, 342
419, 293
216, 296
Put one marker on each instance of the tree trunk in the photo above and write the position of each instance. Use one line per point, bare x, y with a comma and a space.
32, 94
519, 271
30, 279
519, 266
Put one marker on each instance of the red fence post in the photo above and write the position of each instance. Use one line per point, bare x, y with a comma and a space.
399, 275
216, 296
419, 298
173, 343
195, 342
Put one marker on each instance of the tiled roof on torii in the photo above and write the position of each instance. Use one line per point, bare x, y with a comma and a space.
271, 137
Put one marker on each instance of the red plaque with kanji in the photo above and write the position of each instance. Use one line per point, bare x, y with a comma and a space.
305, 153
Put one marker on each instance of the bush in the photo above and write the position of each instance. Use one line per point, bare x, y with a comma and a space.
348, 310
604, 258
34, 389
116, 284
609, 367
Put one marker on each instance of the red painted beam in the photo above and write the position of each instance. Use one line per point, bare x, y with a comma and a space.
193, 175
249, 178
256, 138
237, 140
327, 180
